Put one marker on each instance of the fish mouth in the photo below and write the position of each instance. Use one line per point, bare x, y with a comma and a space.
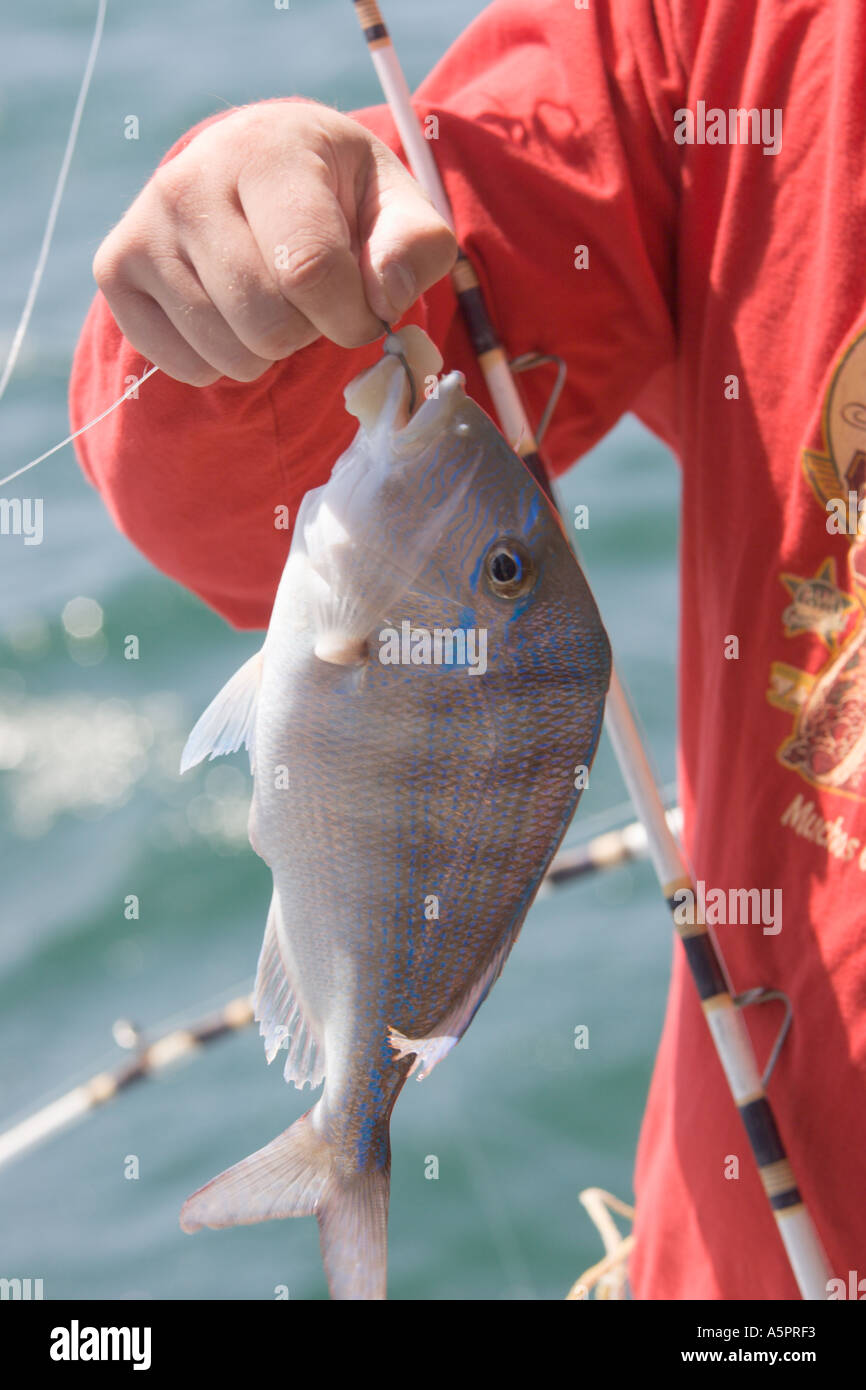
364, 539
434, 414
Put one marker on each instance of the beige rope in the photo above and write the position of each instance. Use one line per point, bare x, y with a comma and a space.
609, 1274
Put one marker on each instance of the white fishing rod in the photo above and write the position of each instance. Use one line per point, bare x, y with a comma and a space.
724, 1018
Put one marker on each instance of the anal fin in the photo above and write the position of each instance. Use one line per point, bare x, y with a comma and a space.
279, 1014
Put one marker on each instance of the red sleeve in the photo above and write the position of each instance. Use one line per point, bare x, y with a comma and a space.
554, 132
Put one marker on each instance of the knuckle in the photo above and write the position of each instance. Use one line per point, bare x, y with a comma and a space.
306, 266
273, 342
444, 244
347, 335
281, 340
243, 366
103, 273
434, 253
253, 320
180, 195
107, 266
262, 318
241, 118
194, 376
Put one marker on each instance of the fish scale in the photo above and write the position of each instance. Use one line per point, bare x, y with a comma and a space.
424, 799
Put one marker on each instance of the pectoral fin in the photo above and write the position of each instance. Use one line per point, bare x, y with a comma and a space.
229, 720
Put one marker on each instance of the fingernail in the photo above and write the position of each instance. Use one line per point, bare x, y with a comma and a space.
399, 285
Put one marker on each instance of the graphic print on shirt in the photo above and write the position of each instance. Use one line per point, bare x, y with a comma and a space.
827, 742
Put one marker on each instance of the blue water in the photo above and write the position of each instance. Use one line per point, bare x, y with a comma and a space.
92, 809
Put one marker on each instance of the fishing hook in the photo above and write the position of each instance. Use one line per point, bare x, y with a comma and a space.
394, 348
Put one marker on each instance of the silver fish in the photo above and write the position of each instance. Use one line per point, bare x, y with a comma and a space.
409, 791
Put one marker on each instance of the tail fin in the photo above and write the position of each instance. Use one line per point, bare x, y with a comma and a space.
353, 1233
296, 1175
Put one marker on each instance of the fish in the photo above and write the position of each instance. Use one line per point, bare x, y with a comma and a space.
407, 795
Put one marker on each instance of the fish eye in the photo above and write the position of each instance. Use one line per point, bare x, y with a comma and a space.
509, 568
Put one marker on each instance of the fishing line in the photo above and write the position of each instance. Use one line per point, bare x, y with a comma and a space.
48, 234
130, 391
47, 237
394, 348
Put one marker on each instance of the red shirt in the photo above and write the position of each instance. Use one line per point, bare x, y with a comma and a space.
724, 303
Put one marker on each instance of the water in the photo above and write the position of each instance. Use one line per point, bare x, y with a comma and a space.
92, 809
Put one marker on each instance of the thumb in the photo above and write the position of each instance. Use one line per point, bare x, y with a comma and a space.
407, 246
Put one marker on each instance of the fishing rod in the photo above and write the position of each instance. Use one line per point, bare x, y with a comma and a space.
722, 1012
608, 850
176, 1045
